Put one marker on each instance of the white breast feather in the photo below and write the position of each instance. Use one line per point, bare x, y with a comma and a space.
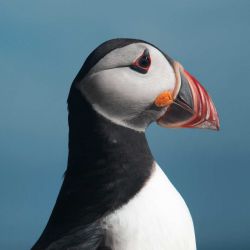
157, 218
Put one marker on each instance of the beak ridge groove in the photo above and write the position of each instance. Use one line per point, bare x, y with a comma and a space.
192, 107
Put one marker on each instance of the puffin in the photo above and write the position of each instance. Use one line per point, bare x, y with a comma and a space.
114, 195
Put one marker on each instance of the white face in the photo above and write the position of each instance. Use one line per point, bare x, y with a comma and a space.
124, 95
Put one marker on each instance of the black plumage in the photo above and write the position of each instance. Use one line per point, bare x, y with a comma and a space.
107, 165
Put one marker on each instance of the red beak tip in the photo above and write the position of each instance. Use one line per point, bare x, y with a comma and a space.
213, 125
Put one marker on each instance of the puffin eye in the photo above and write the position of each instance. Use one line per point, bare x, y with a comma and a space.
142, 63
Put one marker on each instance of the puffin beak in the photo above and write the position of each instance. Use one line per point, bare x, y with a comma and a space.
189, 105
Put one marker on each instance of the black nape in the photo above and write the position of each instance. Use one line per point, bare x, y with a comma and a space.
107, 165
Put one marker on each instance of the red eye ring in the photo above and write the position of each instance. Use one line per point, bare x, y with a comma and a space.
142, 63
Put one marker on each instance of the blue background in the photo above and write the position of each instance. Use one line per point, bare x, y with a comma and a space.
44, 43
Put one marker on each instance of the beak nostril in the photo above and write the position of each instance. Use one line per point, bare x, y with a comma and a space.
183, 105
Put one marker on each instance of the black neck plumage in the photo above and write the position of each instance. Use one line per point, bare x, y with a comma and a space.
107, 165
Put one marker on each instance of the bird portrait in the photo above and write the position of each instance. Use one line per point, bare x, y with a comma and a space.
124, 125
114, 195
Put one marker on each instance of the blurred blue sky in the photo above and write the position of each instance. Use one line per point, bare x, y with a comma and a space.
43, 45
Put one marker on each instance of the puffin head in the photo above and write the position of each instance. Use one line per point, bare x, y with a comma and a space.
132, 83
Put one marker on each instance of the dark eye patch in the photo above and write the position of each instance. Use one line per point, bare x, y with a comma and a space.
142, 63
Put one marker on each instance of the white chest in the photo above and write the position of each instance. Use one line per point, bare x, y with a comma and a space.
157, 218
